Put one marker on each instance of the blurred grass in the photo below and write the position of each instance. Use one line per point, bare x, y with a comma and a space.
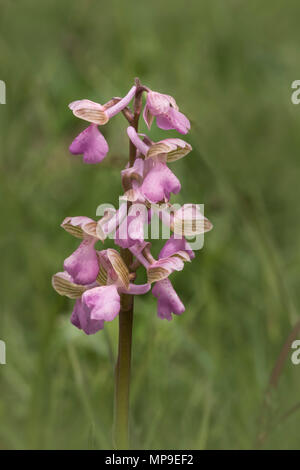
199, 381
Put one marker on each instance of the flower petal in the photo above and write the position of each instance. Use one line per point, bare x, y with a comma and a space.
162, 268
158, 103
102, 277
103, 302
64, 285
168, 300
189, 221
133, 173
91, 144
81, 318
159, 182
174, 119
110, 221
148, 117
116, 269
131, 230
174, 246
138, 289
83, 264
173, 149
121, 104
137, 141
119, 266
79, 226
89, 111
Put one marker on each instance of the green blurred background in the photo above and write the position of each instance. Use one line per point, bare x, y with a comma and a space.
199, 381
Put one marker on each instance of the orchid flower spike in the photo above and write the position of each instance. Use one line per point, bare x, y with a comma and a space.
97, 279
103, 282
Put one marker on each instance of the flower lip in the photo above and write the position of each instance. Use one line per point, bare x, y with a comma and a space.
81, 318
168, 301
103, 302
82, 264
159, 182
91, 143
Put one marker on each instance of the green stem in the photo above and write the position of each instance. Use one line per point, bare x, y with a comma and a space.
122, 375
123, 365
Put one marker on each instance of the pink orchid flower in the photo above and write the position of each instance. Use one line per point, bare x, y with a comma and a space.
166, 111
131, 229
187, 221
168, 301
152, 180
82, 265
91, 143
98, 301
171, 258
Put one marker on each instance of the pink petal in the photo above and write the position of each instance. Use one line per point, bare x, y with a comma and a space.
134, 172
164, 123
78, 221
173, 245
75, 105
131, 230
158, 103
174, 119
137, 251
148, 117
168, 300
103, 302
169, 264
118, 107
159, 183
91, 144
83, 265
137, 141
137, 289
110, 225
81, 318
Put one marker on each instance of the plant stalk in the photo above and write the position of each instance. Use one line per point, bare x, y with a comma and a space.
123, 365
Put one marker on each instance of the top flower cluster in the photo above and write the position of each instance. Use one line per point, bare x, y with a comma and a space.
93, 145
96, 279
